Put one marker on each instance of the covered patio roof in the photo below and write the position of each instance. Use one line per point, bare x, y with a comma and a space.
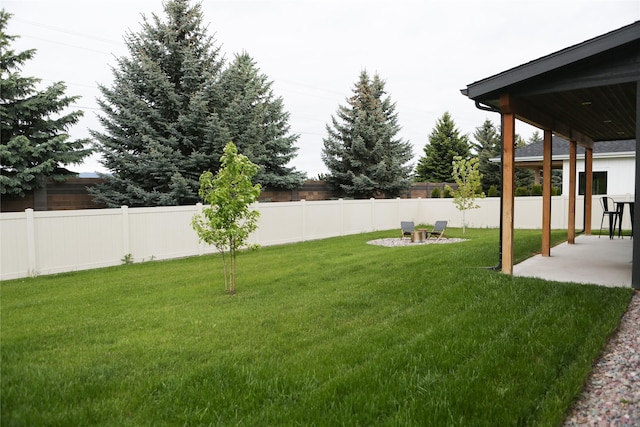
584, 93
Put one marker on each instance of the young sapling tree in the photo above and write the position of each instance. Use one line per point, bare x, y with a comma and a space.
468, 177
228, 220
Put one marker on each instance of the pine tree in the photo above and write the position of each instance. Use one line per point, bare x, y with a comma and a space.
525, 177
361, 151
161, 127
488, 146
535, 137
34, 143
257, 123
445, 142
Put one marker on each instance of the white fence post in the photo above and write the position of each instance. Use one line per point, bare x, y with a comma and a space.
126, 245
32, 266
341, 201
200, 242
373, 214
303, 212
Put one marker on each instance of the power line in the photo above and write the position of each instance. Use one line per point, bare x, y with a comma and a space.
82, 107
310, 133
102, 52
66, 31
69, 83
280, 85
89, 36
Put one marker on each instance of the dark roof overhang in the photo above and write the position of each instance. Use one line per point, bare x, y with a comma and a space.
585, 92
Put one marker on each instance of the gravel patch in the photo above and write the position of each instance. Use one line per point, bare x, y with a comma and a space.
611, 396
395, 242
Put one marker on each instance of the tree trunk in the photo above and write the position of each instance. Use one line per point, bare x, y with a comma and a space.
224, 271
232, 272
464, 221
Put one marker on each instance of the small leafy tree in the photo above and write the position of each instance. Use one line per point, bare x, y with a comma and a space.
468, 178
447, 193
228, 220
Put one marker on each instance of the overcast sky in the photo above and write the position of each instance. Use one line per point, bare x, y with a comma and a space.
314, 50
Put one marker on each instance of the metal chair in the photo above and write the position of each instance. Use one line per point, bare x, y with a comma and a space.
609, 209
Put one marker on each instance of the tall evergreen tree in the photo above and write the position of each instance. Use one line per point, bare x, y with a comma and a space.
535, 137
445, 142
161, 130
257, 123
488, 145
524, 177
362, 152
34, 143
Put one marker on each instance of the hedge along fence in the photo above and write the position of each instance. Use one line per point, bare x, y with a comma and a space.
48, 242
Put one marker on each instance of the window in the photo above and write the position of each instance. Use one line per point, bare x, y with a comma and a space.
599, 183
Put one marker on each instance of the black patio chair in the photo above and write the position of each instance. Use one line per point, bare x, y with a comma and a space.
609, 209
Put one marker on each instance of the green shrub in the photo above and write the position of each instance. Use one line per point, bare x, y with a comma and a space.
556, 191
536, 190
435, 193
448, 193
493, 191
522, 191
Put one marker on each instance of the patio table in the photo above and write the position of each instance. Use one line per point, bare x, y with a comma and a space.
620, 209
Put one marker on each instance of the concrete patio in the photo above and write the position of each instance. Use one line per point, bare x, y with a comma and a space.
592, 259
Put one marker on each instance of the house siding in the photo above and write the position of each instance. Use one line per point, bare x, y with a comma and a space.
620, 173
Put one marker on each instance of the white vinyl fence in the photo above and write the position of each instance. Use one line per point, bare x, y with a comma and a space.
35, 243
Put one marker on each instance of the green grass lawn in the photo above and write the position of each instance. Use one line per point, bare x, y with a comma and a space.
330, 332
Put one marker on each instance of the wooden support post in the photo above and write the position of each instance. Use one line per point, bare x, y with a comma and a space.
508, 182
571, 223
588, 189
546, 194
